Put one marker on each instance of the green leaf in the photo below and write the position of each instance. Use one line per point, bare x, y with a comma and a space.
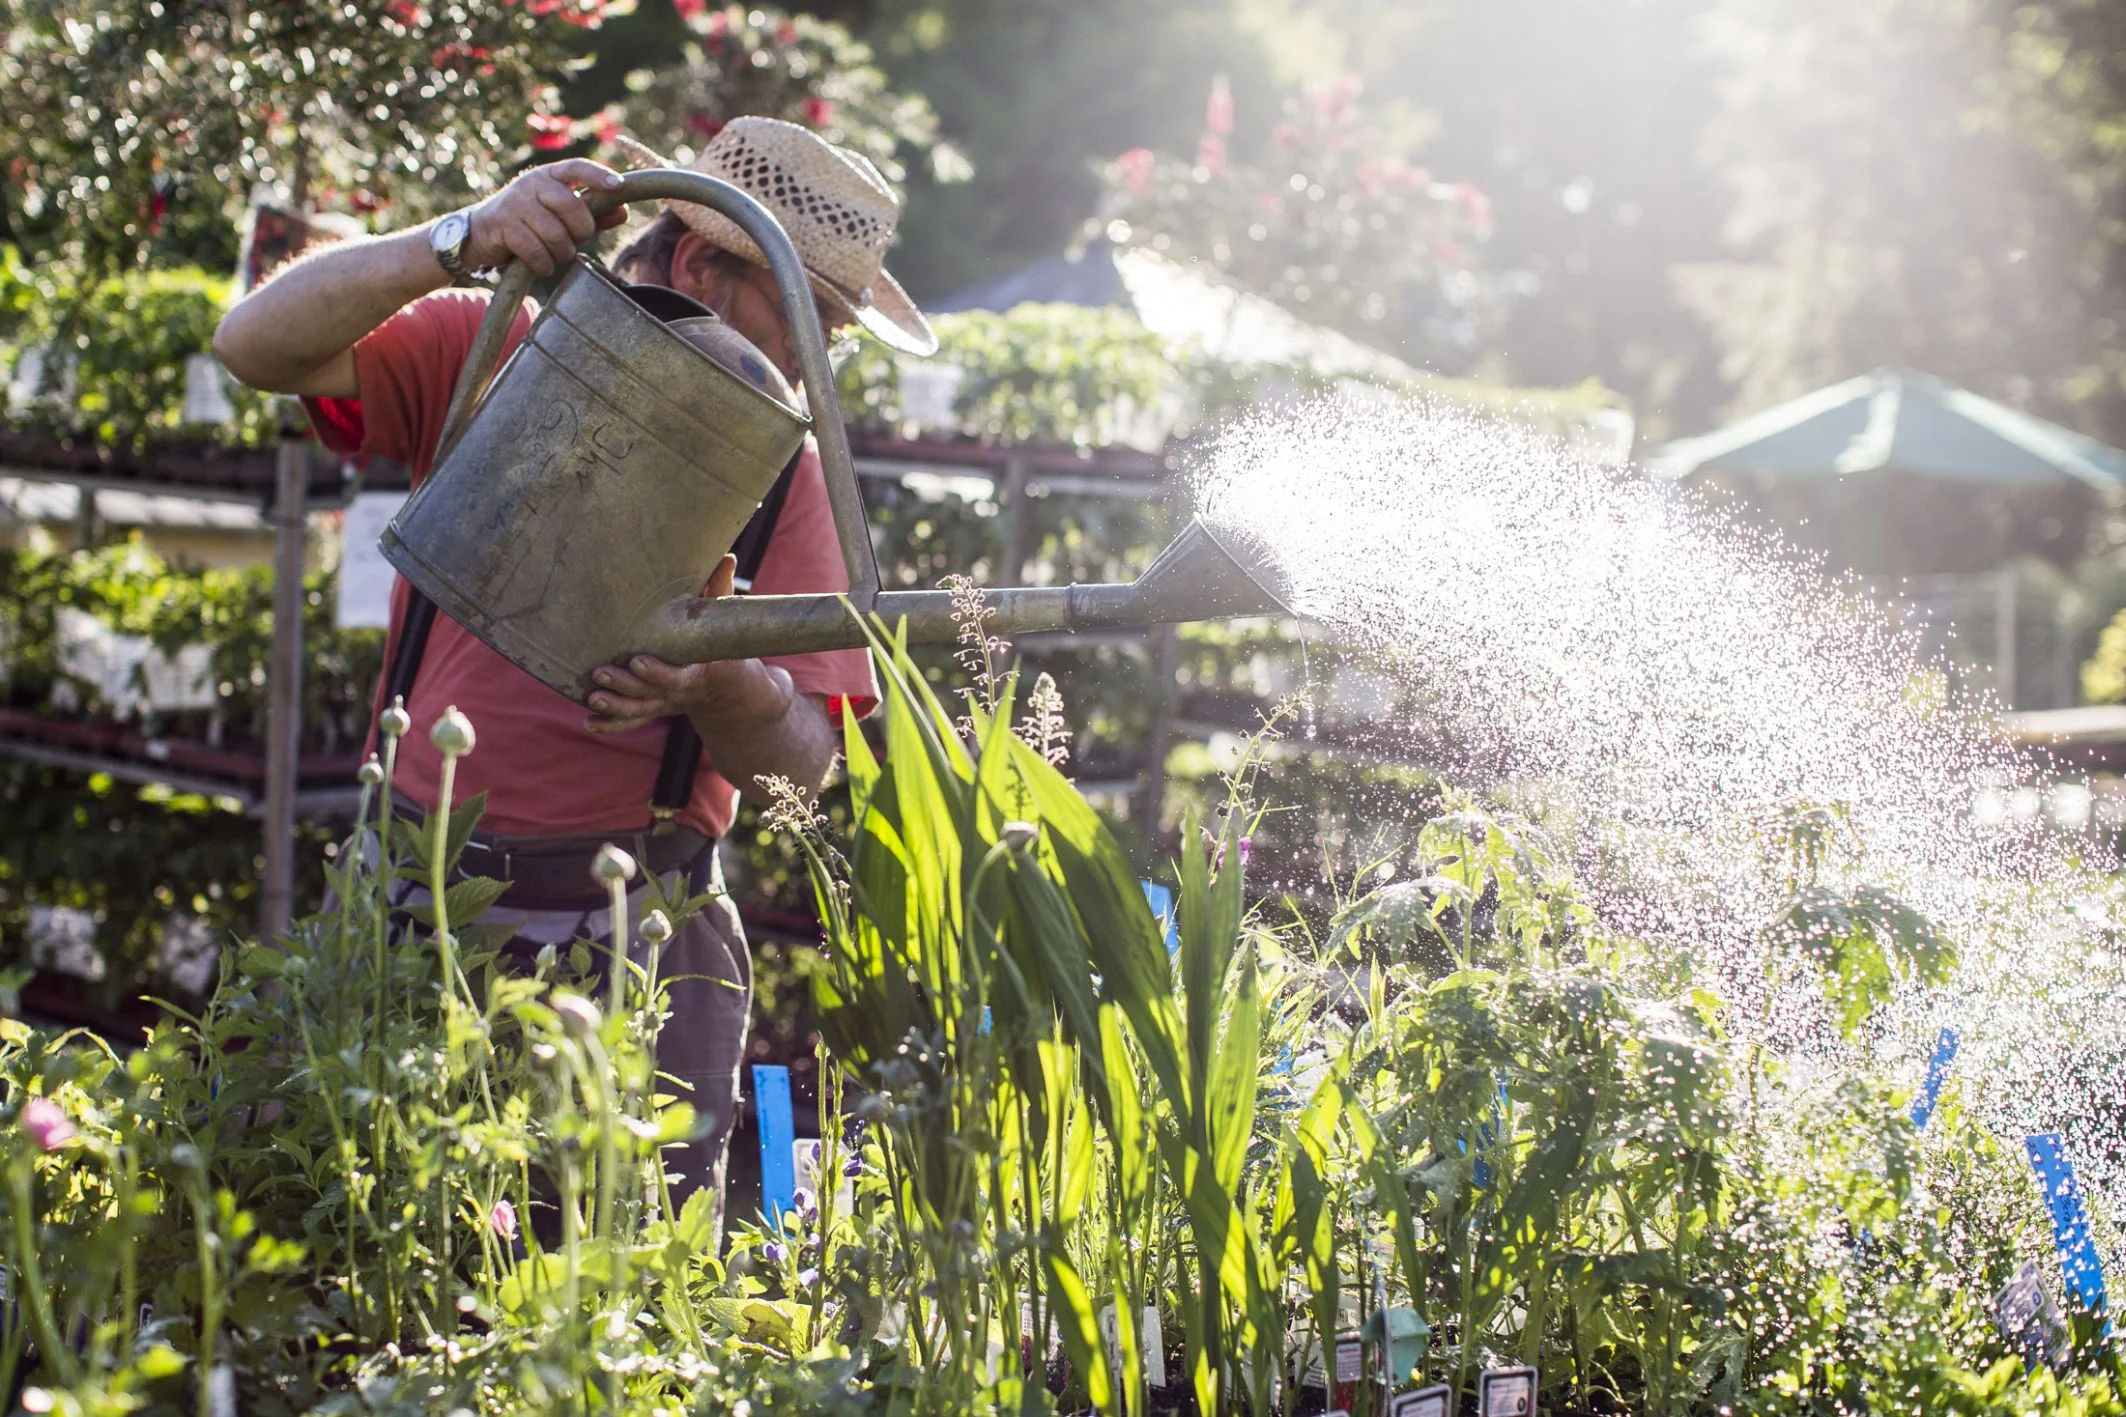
1079, 1326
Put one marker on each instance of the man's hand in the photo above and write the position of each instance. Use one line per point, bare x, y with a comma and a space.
646, 688
296, 333
541, 217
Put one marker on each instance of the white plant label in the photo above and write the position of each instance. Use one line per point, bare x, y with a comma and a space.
1350, 1358
1434, 1401
1151, 1343
365, 576
1506, 1392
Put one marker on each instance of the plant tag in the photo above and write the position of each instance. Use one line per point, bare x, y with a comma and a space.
1506, 1392
1055, 1335
2027, 1319
1937, 1074
2080, 1266
1151, 1343
1434, 1401
806, 1154
771, 1105
1350, 1358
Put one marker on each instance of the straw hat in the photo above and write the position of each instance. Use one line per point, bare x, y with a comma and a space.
837, 209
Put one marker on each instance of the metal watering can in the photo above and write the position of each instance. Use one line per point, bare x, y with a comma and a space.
575, 511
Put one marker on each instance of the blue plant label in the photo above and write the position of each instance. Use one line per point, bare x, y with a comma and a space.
2079, 1264
1923, 1105
1506, 1392
1161, 900
778, 1174
1434, 1401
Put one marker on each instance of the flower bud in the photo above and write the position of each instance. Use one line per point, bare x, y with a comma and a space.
612, 864
656, 928
395, 721
372, 773
452, 734
47, 1123
503, 1220
579, 1016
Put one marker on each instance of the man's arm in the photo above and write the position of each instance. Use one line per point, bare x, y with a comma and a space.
760, 725
296, 333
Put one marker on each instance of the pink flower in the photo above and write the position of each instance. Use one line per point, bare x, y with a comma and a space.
819, 112
1218, 112
503, 1221
1245, 843
1284, 135
690, 10
1136, 168
47, 1123
1210, 154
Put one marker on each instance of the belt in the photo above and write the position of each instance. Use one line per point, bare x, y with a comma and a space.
556, 870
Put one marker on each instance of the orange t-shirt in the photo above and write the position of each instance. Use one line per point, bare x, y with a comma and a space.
544, 773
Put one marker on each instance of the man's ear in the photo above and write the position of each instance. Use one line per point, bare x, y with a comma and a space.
695, 270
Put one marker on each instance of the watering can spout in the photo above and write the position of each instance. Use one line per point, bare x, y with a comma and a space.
1208, 572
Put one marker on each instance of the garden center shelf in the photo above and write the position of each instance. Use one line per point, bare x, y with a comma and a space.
325, 781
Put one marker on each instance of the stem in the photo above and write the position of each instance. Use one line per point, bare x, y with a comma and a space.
54, 1352
209, 1301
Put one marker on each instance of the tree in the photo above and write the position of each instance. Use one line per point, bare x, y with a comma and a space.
736, 61
1927, 182
1335, 222
142, 127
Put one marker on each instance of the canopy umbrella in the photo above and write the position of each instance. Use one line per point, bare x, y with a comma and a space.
1899, 473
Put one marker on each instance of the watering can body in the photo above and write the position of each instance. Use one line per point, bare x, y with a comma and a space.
609, 467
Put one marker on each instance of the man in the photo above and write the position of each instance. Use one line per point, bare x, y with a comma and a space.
366, 333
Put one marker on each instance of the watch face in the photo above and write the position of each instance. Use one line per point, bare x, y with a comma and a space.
450, 233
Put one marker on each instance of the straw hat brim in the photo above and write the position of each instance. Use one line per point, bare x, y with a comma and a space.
890, 314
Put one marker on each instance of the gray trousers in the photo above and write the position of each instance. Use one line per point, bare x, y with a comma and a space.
706, 973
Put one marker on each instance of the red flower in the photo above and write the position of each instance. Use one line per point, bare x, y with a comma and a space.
819, 112
702, 125
607, 125
719, 24
786, 33
405, 12
690, 10
550, 131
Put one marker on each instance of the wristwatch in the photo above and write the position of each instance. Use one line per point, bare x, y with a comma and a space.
447, 238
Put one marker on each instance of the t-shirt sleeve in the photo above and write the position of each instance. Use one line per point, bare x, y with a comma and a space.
405, 370
804, 557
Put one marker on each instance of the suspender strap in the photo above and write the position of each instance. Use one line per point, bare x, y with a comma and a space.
682, 743
413, 643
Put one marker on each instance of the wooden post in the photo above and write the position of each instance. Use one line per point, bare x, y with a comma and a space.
2004, 616
1165, 647
1015, 518
284, 684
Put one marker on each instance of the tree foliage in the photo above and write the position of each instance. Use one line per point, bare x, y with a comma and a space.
139, 124
1927, 182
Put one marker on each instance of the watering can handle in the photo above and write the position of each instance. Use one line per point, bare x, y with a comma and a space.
798, 308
